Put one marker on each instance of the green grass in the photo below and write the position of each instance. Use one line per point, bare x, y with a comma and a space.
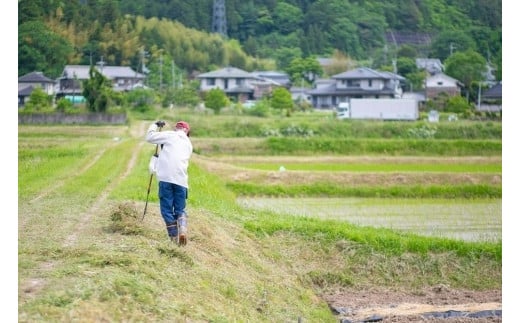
464, 219
82, 257
324, 189
383, 167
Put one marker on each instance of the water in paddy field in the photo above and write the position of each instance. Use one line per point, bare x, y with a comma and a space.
469, 220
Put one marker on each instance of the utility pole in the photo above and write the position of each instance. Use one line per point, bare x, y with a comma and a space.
452, 47
479, 90
101, 63
173, 74
160, 72
143, 54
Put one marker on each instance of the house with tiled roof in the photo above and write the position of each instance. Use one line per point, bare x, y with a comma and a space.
123, 78
491, 100
441, 83
430, 65
240, 85
28, 82
361, 82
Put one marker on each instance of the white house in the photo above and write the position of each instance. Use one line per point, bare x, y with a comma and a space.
442, 83
239, 84
28, 82
361, 82
123, 78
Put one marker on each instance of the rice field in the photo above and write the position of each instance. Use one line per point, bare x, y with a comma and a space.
468, 220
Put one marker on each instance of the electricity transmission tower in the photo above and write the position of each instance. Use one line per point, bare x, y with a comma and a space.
219, 24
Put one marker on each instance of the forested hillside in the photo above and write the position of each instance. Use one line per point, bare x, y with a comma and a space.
261, 34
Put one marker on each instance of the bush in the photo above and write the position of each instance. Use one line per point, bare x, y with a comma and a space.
39, 101
64, 105
457, 104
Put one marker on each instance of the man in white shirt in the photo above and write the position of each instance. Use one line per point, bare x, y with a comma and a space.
172, 175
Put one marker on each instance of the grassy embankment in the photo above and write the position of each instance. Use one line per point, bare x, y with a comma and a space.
85, 254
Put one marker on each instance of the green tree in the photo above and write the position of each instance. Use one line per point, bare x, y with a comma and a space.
345, 37
140, 99
97, 91
39, 101
339, 63
216, 99
287, 17
308, 68
449, 42
40, 49
407, 51
406, 67
416, 79
285, 55
186, 96
467, 67
457, 104
281, 99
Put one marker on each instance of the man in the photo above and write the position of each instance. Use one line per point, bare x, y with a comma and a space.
172, 175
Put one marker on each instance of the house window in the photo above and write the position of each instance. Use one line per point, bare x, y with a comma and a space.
353, 83
369, 83
210, 81
240, 81
439, 83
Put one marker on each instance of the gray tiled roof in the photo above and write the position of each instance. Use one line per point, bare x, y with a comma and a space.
277, 78
35, 77
432, 65
227, 72
364, 73
333, 90
393, 76
82, 72
25, 90
494, 92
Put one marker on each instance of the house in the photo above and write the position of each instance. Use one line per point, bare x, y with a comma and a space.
123, 78
280, 78
28, 82
442, 83
299, 94
361, 82
238, 84
491, 100
431, 65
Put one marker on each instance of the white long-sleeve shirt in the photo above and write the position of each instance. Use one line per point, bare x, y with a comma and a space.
174, 156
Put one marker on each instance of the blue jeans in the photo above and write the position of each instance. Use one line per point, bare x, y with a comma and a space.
172, 199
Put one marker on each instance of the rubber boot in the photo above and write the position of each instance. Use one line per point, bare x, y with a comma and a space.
182, 229
172, 230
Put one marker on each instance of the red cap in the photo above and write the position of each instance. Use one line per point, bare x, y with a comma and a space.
183, 125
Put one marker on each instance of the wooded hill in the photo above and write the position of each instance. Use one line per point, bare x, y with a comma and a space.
261, 34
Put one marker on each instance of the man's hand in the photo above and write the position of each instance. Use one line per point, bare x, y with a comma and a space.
160, 124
